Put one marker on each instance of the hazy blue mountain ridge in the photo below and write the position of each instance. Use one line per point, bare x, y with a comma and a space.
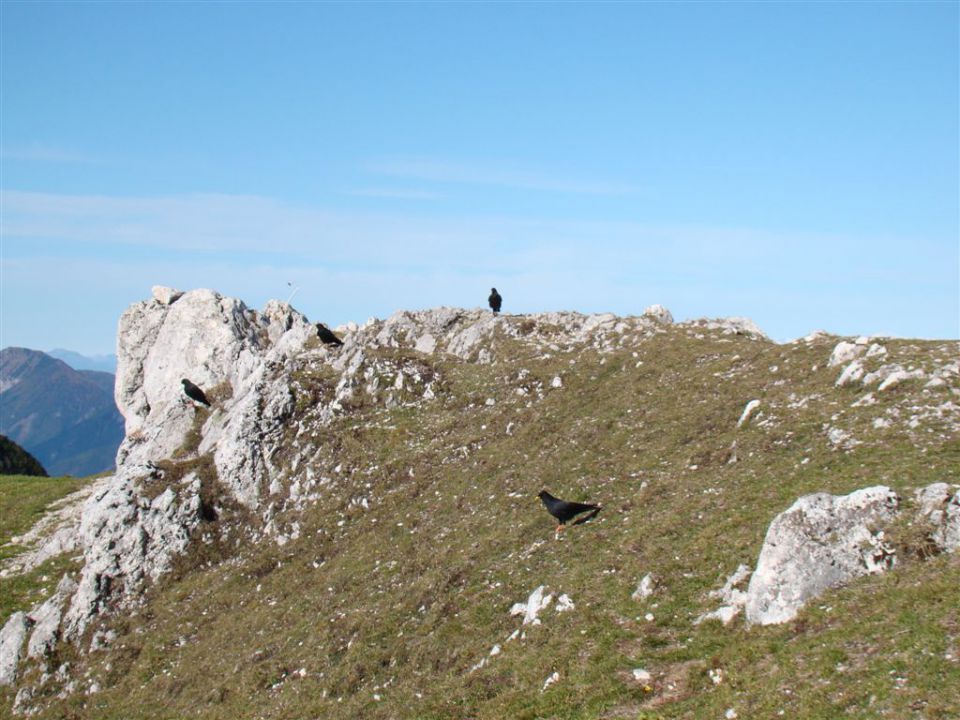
102, 363
66, 419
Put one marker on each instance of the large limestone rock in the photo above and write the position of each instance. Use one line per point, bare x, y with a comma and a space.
134, 526
822, 541
218, 343
11, 646
202, 336
128, 538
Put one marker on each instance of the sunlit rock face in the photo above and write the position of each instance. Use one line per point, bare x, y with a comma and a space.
821, 541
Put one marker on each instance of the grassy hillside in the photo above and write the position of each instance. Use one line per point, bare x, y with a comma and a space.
23, 501
398, 580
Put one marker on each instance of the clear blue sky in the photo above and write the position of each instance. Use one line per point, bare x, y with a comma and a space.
797, 164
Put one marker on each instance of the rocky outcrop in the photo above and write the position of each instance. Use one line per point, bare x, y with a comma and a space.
129, 537
135, 525
46, 619
822, 541
11, 646
216, 342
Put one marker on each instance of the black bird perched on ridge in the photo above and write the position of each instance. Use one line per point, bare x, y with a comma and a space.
564, 511
194, 393
495, 300
326, 335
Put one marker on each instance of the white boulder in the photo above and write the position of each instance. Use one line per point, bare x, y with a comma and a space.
895, 378
845, 352
646, 587
660, 314
851, 374
820, 542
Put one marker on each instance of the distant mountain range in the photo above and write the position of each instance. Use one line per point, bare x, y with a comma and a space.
103, 363
66, 418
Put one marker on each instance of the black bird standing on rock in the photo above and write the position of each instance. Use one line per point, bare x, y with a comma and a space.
326, 335
495, 300
564, 511
194, 393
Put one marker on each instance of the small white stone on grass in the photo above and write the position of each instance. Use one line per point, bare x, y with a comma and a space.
747, 412
646, 587
550, 681
898, 377
851, 374
536, 602
642, 675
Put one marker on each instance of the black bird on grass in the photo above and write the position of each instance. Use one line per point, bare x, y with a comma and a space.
326, 335
564, 511
194, 393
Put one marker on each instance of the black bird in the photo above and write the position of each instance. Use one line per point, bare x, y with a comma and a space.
564, 511
194, 393
326, 335
495, 300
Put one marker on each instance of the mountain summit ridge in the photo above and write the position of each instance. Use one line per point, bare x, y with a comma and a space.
388, 487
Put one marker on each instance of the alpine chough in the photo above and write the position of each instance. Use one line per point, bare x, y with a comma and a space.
194, 393
564, 511
326, 335
495, 300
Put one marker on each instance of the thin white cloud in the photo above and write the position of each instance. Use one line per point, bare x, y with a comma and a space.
41, 152
251, 224
394, 193
424, 169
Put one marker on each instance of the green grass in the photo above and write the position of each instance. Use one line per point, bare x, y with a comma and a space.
23, 499
382, 612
